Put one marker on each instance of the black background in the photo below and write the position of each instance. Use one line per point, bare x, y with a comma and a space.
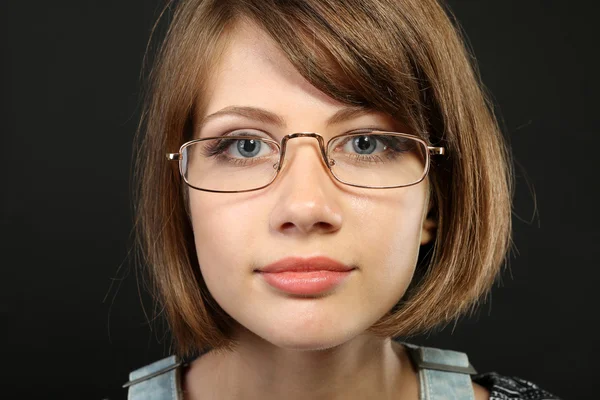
70, 93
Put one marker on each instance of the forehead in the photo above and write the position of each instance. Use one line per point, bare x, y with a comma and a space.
254, 71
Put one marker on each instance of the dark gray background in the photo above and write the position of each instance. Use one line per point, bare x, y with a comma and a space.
70, 95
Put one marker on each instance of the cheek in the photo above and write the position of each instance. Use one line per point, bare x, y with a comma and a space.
225, 233
392, 223
388, 234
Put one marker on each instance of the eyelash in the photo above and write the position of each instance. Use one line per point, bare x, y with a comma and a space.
218, 151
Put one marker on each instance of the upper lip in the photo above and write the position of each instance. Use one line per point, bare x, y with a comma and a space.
300, 264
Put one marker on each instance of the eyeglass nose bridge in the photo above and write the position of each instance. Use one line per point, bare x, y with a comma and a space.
320, 140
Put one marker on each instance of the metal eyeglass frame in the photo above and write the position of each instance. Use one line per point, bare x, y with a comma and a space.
329, 163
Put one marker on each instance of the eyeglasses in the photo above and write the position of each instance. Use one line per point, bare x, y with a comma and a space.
243, 162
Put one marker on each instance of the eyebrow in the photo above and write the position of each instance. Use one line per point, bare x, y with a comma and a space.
258, 114
265, 116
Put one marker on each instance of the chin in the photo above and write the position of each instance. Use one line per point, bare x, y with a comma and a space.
312, 344
306, 340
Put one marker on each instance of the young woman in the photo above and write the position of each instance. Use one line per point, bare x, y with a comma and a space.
334, 182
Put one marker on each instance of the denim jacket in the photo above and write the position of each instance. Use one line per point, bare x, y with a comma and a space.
443, 375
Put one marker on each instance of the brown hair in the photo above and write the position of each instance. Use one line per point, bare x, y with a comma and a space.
405, 58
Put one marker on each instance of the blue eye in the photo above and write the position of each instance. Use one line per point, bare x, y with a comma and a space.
252, 146
364, 144
248, 147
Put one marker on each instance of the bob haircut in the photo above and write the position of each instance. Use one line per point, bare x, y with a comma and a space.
405, 58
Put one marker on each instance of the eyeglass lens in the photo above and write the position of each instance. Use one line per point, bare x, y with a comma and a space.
245, 162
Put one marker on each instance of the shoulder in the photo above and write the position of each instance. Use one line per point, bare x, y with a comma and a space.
490, 385
511, 388
159, 380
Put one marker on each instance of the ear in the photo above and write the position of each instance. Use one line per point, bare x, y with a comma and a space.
428, 231
429, 228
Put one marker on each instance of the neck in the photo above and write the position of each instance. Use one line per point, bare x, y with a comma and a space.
364, 367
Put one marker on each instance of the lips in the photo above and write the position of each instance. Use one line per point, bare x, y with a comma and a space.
305, 276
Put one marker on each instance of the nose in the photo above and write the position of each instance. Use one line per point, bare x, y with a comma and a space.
307, 198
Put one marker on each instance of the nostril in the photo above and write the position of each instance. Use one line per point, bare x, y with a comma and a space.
323, 226
287, 226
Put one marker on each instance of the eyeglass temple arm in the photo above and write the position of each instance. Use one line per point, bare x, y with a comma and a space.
436, 150
173, 156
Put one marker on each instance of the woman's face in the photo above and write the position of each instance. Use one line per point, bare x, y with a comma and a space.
304, 214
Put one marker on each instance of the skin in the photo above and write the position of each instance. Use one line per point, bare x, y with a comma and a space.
292, 347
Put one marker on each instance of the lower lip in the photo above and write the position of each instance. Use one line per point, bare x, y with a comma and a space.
305, 283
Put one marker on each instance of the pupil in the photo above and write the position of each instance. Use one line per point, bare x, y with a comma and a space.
248, 148
364, 145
